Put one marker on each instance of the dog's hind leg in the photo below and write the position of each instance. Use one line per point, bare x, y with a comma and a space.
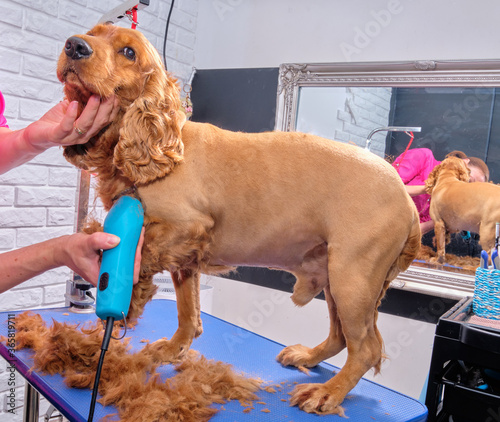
440, 236
355, 292
312, 278
187, 291
299, 355
487, 235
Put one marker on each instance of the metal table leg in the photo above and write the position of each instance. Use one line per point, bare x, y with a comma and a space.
31, 403
49, 414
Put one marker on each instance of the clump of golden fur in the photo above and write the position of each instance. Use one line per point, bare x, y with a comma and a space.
128, 379
464, 264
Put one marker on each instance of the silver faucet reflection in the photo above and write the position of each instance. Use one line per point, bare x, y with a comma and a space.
390, 129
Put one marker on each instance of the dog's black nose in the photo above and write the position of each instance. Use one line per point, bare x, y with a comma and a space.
77, 48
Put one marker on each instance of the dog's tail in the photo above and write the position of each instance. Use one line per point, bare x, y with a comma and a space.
402, 262
409, 252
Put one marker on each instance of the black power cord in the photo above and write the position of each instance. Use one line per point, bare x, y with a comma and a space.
104, 347
166, 33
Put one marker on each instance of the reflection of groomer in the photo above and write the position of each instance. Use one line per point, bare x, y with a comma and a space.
415, 165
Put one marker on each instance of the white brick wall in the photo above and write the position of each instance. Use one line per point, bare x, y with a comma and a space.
37, 200
346, 114
365, 109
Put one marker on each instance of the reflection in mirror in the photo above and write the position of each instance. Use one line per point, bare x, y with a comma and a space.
457, 110
346, 114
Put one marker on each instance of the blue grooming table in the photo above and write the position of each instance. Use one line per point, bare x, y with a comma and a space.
247, 352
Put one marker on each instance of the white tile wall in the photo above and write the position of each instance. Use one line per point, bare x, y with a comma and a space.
37, 200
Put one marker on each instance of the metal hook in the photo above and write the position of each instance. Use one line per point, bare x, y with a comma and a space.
125, 329
390, 129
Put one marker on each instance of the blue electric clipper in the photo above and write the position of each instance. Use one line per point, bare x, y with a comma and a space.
116, 276
114, 291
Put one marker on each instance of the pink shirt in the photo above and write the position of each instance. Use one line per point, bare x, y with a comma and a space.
414, 168
3, 120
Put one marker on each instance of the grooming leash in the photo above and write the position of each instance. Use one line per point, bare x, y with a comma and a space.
132, 15
412, 137
131, 191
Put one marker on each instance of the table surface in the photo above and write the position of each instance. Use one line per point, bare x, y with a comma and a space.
248, 352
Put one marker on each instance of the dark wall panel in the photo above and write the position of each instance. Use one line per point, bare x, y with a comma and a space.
236, 99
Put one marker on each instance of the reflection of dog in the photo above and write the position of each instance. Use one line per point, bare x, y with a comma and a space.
458, 205
335, 216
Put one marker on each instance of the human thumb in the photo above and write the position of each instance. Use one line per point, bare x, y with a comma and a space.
109, 241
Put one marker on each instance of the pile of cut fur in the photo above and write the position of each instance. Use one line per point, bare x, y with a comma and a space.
465, 264
129, 381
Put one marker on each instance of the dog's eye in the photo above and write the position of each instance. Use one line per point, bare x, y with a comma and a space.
129, 53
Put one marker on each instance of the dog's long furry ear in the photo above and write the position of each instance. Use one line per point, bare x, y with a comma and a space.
150, 137
432, 179
456, 165
463, 173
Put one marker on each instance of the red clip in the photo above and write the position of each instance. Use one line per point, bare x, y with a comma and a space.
412, 136
132, 15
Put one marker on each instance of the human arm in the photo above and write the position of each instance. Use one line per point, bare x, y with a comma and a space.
415, 190
80, 252
426, 226
55, 128
414, 167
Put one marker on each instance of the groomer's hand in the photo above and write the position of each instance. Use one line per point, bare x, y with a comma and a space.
61, 125
82, 253
138, 257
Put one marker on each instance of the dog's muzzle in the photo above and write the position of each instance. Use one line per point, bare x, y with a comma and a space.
77, 48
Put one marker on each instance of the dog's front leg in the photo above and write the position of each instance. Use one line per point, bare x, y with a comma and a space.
187, 291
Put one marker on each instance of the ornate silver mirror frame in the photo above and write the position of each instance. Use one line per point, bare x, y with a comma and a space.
481, 74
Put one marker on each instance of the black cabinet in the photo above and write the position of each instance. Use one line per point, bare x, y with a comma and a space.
463, 350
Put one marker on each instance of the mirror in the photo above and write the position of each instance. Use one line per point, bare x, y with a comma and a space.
455, 103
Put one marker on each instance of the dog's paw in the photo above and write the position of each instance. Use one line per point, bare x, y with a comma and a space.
316, 398
437, 260
296, 355
199, 328
166, 351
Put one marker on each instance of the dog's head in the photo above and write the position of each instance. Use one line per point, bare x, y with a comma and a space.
450, 168
144, 141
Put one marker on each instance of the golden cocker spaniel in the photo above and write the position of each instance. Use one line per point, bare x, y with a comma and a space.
458, 205
335, 216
